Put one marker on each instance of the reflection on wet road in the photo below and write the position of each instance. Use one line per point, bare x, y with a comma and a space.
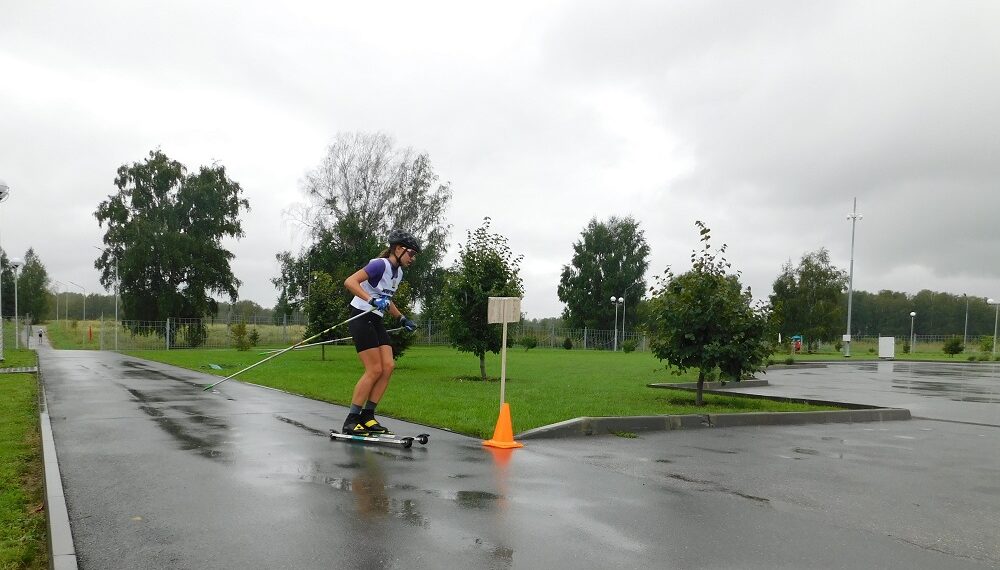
966, 392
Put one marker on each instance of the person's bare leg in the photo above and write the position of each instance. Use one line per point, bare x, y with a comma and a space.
372, 360
387, 365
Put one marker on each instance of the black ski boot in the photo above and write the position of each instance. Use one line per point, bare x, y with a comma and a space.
369, 422
354, 425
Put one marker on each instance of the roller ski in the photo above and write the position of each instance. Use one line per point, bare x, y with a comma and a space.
366, 428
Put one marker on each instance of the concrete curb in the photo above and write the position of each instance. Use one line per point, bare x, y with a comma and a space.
713, 385
604, 425
62, 553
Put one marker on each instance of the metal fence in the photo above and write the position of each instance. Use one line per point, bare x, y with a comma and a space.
435, 333
206, 333
192, 333
217, 333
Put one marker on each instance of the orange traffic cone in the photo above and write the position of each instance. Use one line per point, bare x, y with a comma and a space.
503, 435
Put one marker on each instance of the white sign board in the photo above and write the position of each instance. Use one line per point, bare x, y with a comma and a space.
887, 347
504, 310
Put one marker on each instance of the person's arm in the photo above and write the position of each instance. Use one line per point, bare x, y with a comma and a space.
394, 311
353, 284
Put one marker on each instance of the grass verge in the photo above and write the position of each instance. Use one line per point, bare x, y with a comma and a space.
22, 515
440, 386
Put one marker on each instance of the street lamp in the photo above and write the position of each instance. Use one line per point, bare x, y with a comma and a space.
16, 263
965, 333
58, 285
995, 317
84, 299
4, 193
616, 301
912, 338
623, 310
854, 217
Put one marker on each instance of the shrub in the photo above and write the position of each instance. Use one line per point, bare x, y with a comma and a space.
985, 343
239, 334
628, 346
871, 350
789, 360
529, 342
953, 345
195, 334
972, 358
838, 345
568, 343
254, 336
906, 347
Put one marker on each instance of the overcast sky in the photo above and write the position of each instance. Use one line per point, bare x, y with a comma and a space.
762, 119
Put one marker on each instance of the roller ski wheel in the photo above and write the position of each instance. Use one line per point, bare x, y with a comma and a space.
419, 438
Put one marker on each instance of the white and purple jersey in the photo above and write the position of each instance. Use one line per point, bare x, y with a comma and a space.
382, 281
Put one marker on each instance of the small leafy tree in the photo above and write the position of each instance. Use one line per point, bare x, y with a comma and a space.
704, 319
485, 268
238, 332
953, 345
195, 333
568, 343
986, 343
253, 336
325, 307
529, 342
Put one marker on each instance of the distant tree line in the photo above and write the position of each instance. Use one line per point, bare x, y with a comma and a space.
887, 313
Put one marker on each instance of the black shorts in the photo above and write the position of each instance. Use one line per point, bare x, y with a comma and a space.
368, 331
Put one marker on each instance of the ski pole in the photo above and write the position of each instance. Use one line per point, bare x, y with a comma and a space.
303, 341
301, 346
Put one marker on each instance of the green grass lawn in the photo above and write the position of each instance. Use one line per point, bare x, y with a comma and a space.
440, 386
22, 517
63, 334
18, 358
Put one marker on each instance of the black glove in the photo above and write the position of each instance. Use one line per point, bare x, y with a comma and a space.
407, 323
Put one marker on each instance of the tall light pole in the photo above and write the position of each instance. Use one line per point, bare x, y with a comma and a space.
84, 300
912, 338
58, 285
854, 217
4, 193
16, 263
965, 334
995, 317
616, 301
623, 310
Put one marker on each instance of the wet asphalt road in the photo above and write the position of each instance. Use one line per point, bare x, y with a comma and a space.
159, 474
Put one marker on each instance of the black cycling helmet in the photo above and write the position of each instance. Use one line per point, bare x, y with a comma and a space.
405, 239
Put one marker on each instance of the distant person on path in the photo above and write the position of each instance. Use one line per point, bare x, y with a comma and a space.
373, 286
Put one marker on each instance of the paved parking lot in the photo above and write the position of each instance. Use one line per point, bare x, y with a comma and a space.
158, 474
